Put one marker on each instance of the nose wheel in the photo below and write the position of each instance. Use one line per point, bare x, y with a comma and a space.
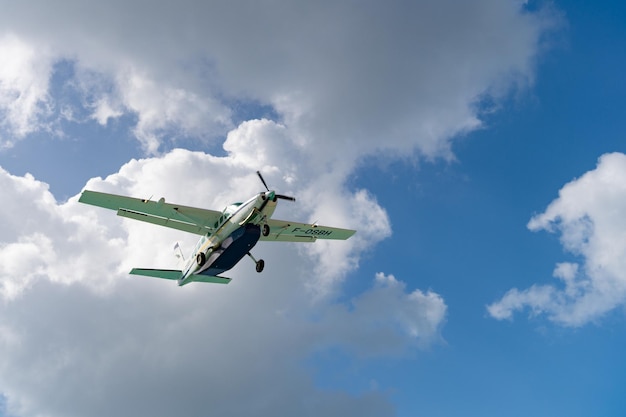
260, 264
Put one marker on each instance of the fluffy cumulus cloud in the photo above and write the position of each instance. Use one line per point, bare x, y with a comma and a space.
24, 77
416, 314
72, 317
589, 215
396, 77
338, 82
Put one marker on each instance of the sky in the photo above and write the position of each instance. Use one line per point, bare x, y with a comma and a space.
476, 147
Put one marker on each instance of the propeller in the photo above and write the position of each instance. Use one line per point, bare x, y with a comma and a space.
262, 180
281, 196
285, 197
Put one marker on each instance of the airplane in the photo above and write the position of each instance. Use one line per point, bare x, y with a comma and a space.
226, 236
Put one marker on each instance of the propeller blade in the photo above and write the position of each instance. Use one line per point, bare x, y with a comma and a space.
262, 180
283, 197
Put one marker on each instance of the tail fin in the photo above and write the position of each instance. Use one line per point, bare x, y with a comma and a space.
178, 253
158, 273
210, 278
176, 274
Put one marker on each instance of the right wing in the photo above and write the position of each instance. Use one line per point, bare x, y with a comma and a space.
283, 231
188, 219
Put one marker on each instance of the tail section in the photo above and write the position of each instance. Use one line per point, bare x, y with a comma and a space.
178, 253
210, 279
158, 273
175, 274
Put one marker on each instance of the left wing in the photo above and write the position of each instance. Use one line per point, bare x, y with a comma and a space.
188, 219
283, 231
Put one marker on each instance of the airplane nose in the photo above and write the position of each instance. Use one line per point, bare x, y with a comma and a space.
267, 197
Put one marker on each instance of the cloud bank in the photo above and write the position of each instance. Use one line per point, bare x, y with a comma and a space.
338, 83
589, 216
72, 318
396, 77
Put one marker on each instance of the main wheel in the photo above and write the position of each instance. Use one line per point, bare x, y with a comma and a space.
200, 258
265, 230
260, 265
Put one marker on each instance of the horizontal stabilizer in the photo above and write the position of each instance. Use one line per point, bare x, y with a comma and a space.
210, 279
158, 273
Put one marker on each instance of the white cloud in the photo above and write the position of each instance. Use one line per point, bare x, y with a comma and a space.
416, 315
159, 350
24, 77
72, 317
589, 215
395, 77
359, 211
344, 80
103, 111
38, 234
171, 110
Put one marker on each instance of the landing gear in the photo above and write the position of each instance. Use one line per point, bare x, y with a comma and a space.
260, 264
200, 258
265, 230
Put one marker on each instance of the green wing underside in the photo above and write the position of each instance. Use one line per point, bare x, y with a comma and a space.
175, 274
284, 231
202, 221
175, 216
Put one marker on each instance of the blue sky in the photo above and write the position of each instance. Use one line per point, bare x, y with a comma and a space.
480, 158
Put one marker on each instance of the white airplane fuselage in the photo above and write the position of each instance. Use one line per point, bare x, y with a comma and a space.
241, 224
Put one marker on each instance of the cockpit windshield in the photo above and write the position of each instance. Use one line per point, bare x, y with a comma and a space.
227, 212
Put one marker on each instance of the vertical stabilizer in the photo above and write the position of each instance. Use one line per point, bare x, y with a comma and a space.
178, 253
